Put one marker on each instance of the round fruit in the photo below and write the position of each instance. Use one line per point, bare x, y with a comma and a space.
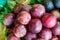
49, 20
46, 34
54, 38
8, 19
27, 8
30, 36
18, 8
35, 26
37, 11
24, 17
48, 5
57, 3
56, 29
12, 37
56, 13
19, 30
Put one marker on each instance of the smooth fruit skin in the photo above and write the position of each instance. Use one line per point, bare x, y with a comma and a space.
24, 17
56, 13
46, 34
30, 36
57, 3
18, 8
56, 29
8, 19
49, 20
35, 26
48, 5
19, 30
12, 37
37, 11
54, 38
27, 8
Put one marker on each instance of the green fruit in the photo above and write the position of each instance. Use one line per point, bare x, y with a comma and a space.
2, 3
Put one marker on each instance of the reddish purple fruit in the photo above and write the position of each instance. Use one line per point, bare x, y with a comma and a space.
46, 34
35, 26
30, 36
8, 19
12, 37
54, 38
19, 30
37, 11
49, 20
56, 29
27, 8
24, 17
39, 39
18, 8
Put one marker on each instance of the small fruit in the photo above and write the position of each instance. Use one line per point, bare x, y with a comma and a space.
48, 5
56, 13
57, 3
12, 37
8, 19
24, 17
37, 11
18, 8
54, 38
19, 30
30, 36
35, 26
49, 20
27, 8
46, 34
56, 29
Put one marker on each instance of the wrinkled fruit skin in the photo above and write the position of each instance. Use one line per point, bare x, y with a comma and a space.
35, 26
56, 29
19, 30
38, 10
54, 38
46, 34
18, 8
24, 17
49, 20
8, 19
12, 37
30, 36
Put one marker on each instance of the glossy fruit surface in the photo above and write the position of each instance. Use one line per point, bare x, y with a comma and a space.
24, 17
8, 19
56, 29
49, 5
35, 26
30, 36
46, 34
49, 20
38, 10
19, 30
12, 37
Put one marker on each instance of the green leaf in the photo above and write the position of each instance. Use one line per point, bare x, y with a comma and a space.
40, 1
33, 2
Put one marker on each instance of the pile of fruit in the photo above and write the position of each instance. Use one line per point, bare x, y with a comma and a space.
29, 19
